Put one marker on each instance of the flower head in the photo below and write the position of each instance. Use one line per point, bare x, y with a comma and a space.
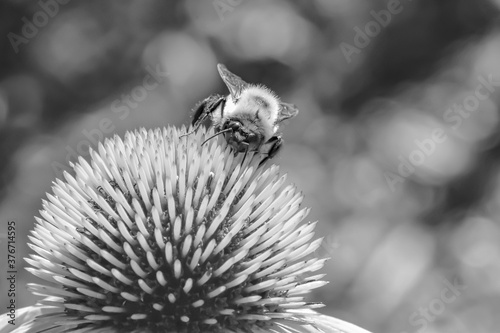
163, 234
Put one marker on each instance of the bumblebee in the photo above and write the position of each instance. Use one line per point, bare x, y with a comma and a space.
249, 116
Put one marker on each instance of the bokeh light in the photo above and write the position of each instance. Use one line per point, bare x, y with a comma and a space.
396, 146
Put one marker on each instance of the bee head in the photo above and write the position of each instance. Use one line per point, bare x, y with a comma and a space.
243, 134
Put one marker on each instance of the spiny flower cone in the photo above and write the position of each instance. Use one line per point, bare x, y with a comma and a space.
159, 233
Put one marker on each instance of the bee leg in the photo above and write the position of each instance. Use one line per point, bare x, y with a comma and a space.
246, 152
204, 109
276, 144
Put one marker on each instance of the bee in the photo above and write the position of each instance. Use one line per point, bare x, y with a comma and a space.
249, 116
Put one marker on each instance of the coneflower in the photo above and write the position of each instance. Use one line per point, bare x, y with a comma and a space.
163, 234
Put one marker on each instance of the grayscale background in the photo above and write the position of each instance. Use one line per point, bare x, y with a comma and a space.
396, 146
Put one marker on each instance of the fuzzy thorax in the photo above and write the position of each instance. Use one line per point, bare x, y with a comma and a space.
258, 105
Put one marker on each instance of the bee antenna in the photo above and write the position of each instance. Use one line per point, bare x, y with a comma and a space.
213, 136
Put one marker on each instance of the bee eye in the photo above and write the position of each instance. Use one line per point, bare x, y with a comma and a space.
235, 125
252, 137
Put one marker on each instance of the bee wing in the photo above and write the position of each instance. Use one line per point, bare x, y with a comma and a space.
234, 83
286, 111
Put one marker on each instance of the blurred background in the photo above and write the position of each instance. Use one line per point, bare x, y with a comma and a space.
396, 146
